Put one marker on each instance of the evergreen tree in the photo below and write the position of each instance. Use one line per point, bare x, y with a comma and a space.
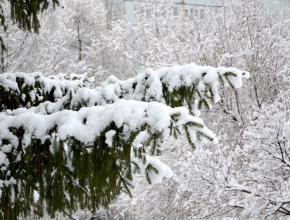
64, 145
25, 14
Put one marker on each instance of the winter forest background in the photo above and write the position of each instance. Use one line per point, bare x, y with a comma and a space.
243, 175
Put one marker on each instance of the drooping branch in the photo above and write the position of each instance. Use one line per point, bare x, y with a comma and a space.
86, 149
191, 85
77, 145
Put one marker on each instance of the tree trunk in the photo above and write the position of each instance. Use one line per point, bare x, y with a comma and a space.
80, 44
2, 68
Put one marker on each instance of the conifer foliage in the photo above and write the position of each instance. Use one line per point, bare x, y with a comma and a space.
65, 145
25, 12
26, 90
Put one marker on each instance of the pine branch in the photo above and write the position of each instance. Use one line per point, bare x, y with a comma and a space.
83, 153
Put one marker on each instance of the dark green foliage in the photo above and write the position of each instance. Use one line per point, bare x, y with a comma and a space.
11, 99
197, 94
69, 174
149, 169
174, 97
89, 175
25, 13
32, 94
2, 21
188, 95
227, 76
173, 130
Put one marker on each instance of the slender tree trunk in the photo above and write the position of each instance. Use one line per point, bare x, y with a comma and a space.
256, 94
238, 105
80, 44
2, 69
108, 15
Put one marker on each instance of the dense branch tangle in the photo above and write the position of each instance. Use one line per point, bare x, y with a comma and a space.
80, 148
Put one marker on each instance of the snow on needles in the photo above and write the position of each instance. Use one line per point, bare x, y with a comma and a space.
133, 110
148, 86
87, 124
60, 82
30, 89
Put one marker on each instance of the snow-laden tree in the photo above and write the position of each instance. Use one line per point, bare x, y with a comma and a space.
18, 43
66, 146
244, 34
266, 154
24, 14
70, 39
197, 189
84, 21
73, 38
249, 181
